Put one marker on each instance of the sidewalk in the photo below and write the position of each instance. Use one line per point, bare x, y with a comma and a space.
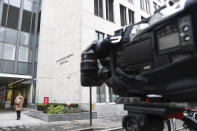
8, 120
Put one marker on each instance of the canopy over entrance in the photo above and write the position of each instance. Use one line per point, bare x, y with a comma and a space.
11, 85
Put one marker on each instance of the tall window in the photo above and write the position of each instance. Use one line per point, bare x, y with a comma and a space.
123, 16
10, 18
148, 6
145, 5
131, 17
109, 10
98, 7
142, 4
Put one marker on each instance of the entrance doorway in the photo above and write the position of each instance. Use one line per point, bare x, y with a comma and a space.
13, 90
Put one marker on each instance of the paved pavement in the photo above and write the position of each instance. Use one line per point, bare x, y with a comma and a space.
8, 122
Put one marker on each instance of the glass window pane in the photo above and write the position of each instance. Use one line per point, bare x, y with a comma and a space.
23, 54
123, 18
26, 24
101, 8
10, 36
33, 23
96, 7
4, 16
2, 30
29, 5
1, 50
24, 38
8, 52
131, 17
13, 17
36, 54
30, 55
15, 3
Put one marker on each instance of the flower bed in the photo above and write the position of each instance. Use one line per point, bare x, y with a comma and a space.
54, 108
61, 112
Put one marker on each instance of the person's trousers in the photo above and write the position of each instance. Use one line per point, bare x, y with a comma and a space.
18, 113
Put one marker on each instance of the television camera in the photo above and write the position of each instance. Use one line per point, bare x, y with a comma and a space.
152, 64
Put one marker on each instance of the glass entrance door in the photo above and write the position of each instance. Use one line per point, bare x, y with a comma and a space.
13, 91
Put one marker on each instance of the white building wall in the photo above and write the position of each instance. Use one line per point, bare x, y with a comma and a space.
46, 55
67, 28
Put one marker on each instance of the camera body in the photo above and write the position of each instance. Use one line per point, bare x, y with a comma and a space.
155, 57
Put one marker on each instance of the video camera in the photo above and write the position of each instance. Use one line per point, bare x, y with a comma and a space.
156, 57
154, 62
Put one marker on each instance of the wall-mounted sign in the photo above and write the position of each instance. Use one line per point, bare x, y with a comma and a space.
46, 100
64, 60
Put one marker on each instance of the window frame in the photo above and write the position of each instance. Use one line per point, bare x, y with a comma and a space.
131, 14
108, 11
123, 18
98, 8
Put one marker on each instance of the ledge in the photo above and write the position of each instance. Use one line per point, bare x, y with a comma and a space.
62, 117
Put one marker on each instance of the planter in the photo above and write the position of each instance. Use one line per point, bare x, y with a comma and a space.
62, 117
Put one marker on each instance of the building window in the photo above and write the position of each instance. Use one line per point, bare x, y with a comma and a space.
10, 17
110, 10
10, 36
16, 3
123, 16
112, 96
145, 5
131, 17
99, 35
131, 1
23, 54
98, 7
28, 21
142, 6
9, 52
2, 31
1, 50
148, 6
24, 38
101, 94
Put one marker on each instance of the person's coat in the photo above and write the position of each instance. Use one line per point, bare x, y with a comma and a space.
19, 102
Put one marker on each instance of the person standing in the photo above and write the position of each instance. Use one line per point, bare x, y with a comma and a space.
19, 105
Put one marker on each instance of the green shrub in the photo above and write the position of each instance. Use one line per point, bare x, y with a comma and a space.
55, 110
